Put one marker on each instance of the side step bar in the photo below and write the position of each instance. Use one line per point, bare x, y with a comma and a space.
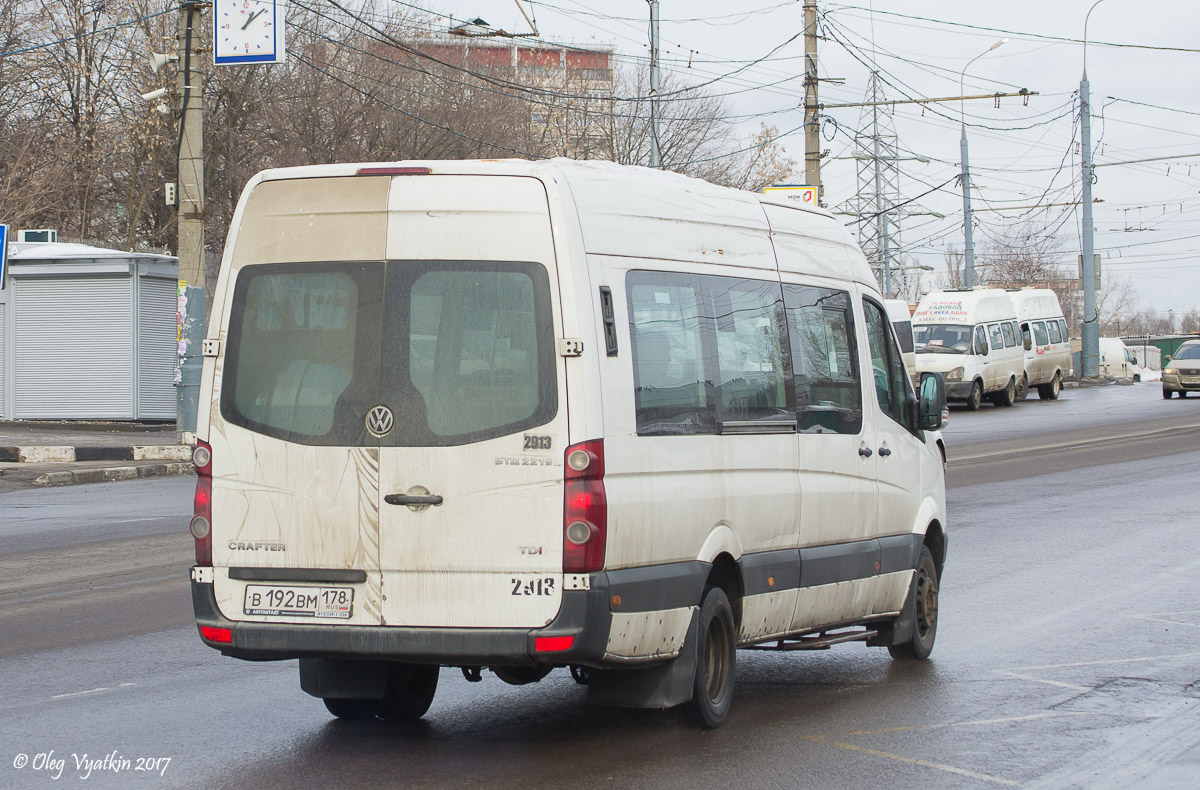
822, 641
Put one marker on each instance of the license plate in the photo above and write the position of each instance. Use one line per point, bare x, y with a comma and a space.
267, 599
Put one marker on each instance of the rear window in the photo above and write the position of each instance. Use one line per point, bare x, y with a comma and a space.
904, 333
458, 351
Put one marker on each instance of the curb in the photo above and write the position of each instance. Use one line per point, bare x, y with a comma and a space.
113, 473
66, 454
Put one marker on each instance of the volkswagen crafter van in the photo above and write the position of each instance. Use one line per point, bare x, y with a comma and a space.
972, 338
521, 416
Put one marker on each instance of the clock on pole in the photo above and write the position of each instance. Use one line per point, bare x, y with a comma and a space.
248, 32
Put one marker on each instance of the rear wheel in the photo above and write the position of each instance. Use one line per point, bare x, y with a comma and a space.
925, 593
410, 690
976, 397
1006, 396
712, 689
353, 709
1051, 391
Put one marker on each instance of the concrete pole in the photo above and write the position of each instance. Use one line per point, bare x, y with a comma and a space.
1089, 336
655, 154
969, 276
812, 134
190, 215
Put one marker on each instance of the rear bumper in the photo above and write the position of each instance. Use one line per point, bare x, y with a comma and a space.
584, 615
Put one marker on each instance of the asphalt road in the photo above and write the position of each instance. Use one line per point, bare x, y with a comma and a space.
1067, 651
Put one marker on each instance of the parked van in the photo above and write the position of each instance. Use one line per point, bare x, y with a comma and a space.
526, 415
1116, 359
901, 318
1045, 339
972, 338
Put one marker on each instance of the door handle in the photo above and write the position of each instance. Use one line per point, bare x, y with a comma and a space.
865, 451
409, 499
884, 452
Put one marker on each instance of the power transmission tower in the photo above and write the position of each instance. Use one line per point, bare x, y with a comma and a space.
875, 151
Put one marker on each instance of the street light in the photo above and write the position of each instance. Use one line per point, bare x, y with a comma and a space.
968, 241
1089, 335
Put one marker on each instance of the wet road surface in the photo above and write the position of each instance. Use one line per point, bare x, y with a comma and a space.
1067, 656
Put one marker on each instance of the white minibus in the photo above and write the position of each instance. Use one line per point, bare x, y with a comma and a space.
970, 337
517, 416
1045, 339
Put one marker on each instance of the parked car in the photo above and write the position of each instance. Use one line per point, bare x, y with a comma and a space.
1182, 371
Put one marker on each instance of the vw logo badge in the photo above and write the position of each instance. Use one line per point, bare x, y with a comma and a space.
379, 420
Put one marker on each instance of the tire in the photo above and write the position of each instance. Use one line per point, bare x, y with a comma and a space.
1008, 395
716, 661
1183, 393
925, 591
1052, 390
1023, 388
410, 691
1167, 394
353, 709
976, 397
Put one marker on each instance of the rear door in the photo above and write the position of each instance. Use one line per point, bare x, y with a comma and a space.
471, 468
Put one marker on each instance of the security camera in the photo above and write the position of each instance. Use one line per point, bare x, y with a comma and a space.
153, 95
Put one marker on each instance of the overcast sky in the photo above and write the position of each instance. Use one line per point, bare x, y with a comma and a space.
1148, 225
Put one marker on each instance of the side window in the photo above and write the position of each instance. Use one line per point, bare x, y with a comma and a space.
1010, 337
1055, 335
1039, 334
997, 336
751, 368
904, 333
671, 395
887, 368
824, 360
980, 340
1062, 324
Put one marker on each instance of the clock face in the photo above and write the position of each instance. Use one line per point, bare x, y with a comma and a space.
248, 31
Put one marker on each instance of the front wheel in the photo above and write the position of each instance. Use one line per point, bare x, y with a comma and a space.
1023, 388
925, 614
976, 397
712, 689
1167, 394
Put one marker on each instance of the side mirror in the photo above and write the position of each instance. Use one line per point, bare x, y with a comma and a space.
1167, 358
931, 402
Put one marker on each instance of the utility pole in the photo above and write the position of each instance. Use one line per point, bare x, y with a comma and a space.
812, 134
968, 223
655, 154
190, 214
1089, 335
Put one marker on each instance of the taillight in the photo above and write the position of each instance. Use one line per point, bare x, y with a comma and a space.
585, 508
201, 526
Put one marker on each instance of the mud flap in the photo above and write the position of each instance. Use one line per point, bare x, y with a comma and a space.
900, 630
330, 678
660, 686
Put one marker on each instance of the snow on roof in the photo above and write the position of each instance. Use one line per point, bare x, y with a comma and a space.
63, 251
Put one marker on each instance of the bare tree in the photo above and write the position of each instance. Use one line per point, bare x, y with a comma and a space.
953, 278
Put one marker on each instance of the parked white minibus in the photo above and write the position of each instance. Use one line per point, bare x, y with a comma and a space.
971, 337
1045, 339
521, 416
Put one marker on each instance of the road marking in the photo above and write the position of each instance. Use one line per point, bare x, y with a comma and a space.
912, 761
977, 722
1055, 683
1084, 444
90, 691
1098, 663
